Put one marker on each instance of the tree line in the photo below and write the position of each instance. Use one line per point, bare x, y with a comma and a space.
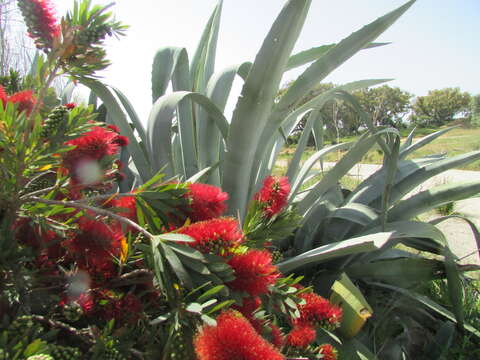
392, 106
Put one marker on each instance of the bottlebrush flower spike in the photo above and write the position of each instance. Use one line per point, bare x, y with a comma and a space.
216, 236
95, 246
233, 338
207, 201
328, 352
318, 312
41, 22
253, 271
301, 336
273, 195
25, 100
3, 95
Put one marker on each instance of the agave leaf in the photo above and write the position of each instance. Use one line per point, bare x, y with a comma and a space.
342, 167
139, 157
336, 56
203, 62
407, 150
419, 235
430, 304
271, 143
426, 172
356, 309
432, 198
367, 191
455, 289
403, 272
409, 140
355, 350
297, 180
160, 123
132, 114
164, 65
473, 226
342, 248
307, 56
302, 144
256, 101
66, 95
439, 346
208, 136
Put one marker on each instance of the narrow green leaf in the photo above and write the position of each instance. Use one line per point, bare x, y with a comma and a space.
256, 101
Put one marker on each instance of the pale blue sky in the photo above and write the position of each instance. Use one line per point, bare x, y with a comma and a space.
434, 45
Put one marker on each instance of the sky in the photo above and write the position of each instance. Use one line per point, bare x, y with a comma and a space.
433, 45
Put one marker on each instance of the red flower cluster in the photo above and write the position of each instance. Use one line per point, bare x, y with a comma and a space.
301, 336
207, 201
318, 312
328, 352
41, 21
125, 309
216, 236
24, 100
90, 148
94, 246
273, 195
233, 338
254, 272
128, 206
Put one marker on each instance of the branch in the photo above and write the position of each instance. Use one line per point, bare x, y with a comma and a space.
60, 325
99, 211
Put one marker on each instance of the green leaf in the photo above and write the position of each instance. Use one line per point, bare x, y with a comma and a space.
175, 238
210, 293
194, 308
342, 248
307, 56
159, 130
455, 289
410, 148
177, 266
140, 159
256, 101
337, 56
432, 198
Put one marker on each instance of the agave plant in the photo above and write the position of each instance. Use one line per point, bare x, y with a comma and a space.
341, 237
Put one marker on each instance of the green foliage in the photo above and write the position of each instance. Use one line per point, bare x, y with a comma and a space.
475, 111
439, 107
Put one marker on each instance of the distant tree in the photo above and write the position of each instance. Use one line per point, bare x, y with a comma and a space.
16, 50
387, 105
439, 107
475, 111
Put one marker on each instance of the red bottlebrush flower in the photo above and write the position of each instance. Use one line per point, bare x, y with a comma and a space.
3, 95
70, 106
254, 272
301, 336
319, 312
328, 352
273, 195
121, 140
114, 128
233, 338
125, 309
25, 100
278, 339
90, 148
216, 236
41, 21
207, 201
128, 204
94, 247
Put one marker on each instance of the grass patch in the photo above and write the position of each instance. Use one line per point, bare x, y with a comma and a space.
455, 142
